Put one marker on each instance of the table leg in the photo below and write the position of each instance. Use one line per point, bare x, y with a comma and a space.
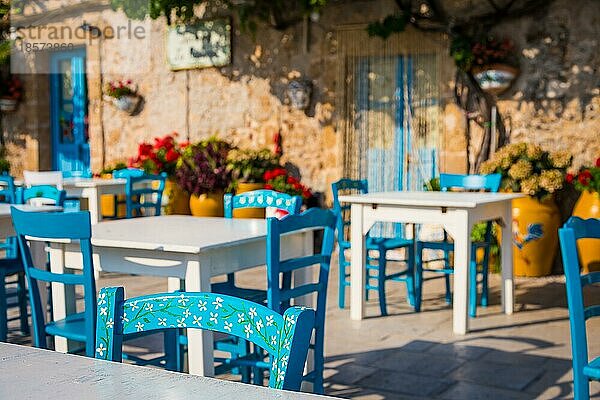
95, 205
508, 288
357, 267
63, 296
200, 341
461, 233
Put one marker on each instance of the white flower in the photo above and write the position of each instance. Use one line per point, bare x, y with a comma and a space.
124, 318
197, 320
103, 311
202, 305
284, 361
139, 326
280, 375
248, 330
187, 312
218, 303
273, 340
102, 298
101, 349
181, 322
259, 325
110, 323
162, 322
183, 300
286, 344
252, 312
134, 306
214, 316
241, 318
269, 320
149, 307
227, 326
290, 319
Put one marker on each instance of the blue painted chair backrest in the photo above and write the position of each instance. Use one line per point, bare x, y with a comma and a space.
574, 229
285, 337
346, 186
490, 183
142, 191
43, 192
261, 199
77, 174
58, 226
7, 189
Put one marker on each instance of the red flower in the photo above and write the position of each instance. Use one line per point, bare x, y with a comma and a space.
145, 149
598, 162
570, 178
267, 175
291, 180
268, 187
171, 155
584, 177
306, 193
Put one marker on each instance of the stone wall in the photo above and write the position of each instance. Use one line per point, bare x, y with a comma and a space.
555, 101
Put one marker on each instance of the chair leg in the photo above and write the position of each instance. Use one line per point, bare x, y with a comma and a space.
381, 281
342, 279
410, 275
448, 289
473, 288
3, 310
418, 278
22, 299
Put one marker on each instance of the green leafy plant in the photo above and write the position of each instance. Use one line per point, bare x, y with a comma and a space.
469, 52
251, 165
587, 178
4, 166
389, 25
202, 167
120, 88
280, 180
529, 169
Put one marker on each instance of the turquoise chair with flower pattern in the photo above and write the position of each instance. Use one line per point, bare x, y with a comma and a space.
285, 337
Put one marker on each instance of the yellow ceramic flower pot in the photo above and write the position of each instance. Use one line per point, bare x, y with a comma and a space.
207, 205
534, 235
588, 206
107, 202
178, 200
249, 212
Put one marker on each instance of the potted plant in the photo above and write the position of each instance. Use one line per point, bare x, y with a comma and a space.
162, 156
248, 168
539, 174
11, 92
123, 94
280, 180
587, 181
202, 171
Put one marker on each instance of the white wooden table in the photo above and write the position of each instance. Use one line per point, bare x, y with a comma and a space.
457, 213
180, 248
92, 190
30, 373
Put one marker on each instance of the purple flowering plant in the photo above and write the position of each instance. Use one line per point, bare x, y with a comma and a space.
202, 168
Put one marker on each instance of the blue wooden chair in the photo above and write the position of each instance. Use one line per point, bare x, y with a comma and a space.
285, 337
583, 369
45, 193
376, 266
11, 265
489, 183
79, 327
142, 191
254, 199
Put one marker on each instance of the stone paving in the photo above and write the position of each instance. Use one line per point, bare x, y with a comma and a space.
415, 356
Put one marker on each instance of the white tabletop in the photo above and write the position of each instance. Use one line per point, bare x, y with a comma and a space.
177, 233
431, 199
92, 182
31, 373
5, 208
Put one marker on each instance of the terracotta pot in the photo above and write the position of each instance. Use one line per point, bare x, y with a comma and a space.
588, 206
534, 235
207, 205
249, 212
178, 200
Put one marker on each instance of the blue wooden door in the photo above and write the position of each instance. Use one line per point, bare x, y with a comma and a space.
69, 112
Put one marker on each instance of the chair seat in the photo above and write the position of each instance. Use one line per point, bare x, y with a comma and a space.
255, 295
72, 327
375, 243
445, 245
592, 370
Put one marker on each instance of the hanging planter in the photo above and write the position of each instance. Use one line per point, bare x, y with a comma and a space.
123, 95
495, 78
8, 105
